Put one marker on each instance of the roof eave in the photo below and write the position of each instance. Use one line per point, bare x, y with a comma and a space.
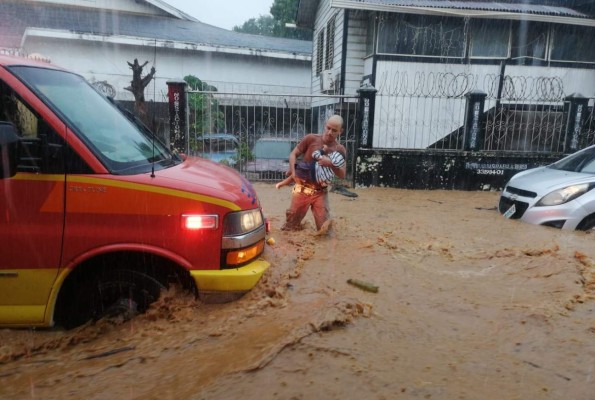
306, 13
143, 41
557, 19
174, 12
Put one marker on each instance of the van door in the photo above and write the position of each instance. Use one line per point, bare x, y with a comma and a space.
31, 214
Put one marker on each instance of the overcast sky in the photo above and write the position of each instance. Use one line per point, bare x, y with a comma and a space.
223, 13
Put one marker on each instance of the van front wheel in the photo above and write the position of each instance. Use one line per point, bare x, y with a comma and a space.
117, 293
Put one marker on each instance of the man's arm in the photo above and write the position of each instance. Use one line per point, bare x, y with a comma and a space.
295, 153
340, 172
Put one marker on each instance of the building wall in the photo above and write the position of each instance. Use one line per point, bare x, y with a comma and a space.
418, 104
429, 170
130, 6
102, 61
323, 15
352, 60
356, 52
326, 106
575, 80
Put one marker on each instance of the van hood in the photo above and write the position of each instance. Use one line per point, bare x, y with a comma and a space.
201, 176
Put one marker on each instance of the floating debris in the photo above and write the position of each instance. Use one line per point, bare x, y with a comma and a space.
368, 287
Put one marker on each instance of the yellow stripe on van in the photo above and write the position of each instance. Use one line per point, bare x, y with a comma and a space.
129, 186
155, 189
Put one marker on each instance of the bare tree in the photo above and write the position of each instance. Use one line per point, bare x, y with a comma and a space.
138, 85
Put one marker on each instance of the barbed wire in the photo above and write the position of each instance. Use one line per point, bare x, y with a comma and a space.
525, 88
457, 85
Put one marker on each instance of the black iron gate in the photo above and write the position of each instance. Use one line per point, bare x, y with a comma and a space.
257, 131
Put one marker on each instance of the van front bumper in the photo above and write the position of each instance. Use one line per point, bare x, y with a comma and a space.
222, 286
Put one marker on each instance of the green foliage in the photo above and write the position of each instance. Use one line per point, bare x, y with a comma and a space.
205, 115
283, 11
265, 25
196, 84
245, 153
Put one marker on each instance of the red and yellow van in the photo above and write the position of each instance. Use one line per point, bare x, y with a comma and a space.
97, 217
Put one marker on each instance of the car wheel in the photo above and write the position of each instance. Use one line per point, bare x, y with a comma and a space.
587, 224
123, 293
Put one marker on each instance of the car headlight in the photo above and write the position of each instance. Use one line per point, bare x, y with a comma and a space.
241, 222
564, 195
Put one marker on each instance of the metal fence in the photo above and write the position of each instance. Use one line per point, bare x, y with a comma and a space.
257, 130
254, 132
518, 114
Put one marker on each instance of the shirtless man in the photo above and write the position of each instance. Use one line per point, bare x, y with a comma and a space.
311, 195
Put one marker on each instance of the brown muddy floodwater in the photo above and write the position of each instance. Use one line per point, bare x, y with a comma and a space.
469, 306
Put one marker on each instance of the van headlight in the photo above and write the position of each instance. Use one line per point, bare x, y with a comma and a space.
564, 195
238, 223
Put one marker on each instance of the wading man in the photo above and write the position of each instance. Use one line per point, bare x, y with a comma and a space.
310, 194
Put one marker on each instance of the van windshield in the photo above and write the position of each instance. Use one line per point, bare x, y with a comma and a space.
123, 146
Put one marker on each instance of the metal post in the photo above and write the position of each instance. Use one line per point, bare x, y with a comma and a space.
577, 110
367, 100
474, 129
178, 116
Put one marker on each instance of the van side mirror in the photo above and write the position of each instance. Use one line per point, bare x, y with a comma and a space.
9, 141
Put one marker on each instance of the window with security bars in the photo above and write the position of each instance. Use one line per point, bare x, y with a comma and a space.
422, 35
570, 43
529, 40
489, 38
319, 52
330, 43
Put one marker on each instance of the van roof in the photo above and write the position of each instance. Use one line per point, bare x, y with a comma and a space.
8, 60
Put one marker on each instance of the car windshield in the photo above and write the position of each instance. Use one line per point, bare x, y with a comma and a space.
582, 161
272, 149
123, 146
220, 145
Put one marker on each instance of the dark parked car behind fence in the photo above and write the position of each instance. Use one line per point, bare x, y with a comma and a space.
271, 158
222, 148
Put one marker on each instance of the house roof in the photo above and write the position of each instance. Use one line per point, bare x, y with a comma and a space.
19, 20
171, 10
571, 12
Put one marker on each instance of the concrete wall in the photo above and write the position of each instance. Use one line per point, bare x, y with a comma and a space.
104, 61
418, 103
423, 169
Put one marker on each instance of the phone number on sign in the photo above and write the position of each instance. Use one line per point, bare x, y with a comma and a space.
490, 172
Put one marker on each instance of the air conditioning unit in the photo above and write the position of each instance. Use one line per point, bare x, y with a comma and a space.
337, 84
327, 83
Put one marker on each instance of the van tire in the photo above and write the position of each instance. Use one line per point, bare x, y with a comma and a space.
118, 293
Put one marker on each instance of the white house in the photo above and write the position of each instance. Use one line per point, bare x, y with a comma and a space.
527, 68
433, 49
98, 38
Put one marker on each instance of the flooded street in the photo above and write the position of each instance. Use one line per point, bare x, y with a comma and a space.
469, 306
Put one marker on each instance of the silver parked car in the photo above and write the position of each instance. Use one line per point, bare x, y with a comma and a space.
558, 195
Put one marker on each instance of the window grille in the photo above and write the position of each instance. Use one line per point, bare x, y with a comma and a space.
330, 43
319, 52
